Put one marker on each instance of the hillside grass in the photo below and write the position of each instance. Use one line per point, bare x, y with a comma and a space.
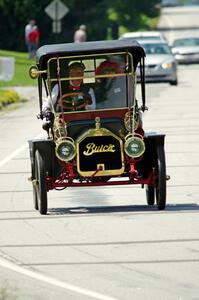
22, 65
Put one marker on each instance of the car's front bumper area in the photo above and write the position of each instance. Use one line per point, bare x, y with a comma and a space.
161, 78
155, 73
187, 58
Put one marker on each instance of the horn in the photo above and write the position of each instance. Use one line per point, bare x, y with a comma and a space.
131, 121
34, 72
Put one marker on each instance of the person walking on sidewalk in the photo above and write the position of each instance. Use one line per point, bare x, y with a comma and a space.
80, 34
28, 29
33, 39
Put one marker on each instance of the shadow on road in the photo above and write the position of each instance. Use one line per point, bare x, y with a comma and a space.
120, 209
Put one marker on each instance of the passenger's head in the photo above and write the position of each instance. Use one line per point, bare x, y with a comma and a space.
76, 69
108, 68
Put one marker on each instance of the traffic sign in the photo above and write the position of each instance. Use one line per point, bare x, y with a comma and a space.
56, 26
56, 10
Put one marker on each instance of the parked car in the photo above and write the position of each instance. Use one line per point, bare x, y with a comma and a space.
186, 49
145, 35
160, 64
169, 3
104, 144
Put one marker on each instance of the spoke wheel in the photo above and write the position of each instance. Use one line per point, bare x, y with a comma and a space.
150, 194
40, 187
161, 178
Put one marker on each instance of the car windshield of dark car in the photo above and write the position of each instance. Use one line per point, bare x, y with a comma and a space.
188, 42
156, 49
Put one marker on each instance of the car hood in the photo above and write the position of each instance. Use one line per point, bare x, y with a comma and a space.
185, 50
158, 59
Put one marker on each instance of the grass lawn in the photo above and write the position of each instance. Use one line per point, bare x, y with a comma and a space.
22, 65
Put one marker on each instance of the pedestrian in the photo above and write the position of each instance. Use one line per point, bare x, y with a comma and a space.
80, 34
33, 40
28, 29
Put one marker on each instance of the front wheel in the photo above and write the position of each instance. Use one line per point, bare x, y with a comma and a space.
150, 194
161, 178
174, 82
40, 185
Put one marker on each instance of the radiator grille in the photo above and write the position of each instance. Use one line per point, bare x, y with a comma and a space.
100, 151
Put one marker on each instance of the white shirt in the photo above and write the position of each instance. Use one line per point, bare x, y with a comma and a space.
54, 96
80, 36
28, 29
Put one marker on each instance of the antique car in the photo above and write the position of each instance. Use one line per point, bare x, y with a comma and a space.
102, 144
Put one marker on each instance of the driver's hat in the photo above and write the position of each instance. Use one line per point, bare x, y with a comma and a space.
76, 64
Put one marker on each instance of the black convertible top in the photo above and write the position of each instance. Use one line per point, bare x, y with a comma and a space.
48, 51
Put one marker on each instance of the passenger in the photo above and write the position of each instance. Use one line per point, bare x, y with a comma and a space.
110, 90
75, 95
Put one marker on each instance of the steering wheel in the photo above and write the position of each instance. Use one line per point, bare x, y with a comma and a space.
74, 103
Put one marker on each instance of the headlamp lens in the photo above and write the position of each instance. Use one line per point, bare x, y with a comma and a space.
134, 146
65, 150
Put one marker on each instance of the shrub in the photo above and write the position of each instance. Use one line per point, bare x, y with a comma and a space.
8, 97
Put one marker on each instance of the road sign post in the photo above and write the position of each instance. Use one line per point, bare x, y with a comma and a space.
56, 26
56, 10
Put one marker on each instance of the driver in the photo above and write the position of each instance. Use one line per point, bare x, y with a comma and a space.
73, 90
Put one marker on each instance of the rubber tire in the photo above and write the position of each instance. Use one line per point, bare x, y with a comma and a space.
161, 178
175, 82
35, 200
150, 194
40, 176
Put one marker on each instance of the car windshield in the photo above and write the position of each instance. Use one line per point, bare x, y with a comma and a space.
188, 42
142, 37
151, 48
107, 78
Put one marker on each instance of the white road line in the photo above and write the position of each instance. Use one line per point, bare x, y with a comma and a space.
67, 286
37, 275
13, 154
17, 151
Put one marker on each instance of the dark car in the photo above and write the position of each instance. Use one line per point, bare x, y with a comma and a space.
99, 142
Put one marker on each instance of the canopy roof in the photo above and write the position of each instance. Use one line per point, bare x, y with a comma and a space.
46, 52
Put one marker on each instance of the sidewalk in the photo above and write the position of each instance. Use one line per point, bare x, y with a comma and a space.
28, 92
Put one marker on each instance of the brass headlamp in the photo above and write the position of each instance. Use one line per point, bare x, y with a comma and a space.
65, 146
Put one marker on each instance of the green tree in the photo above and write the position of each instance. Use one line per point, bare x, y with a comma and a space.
99, 16
14, 15
134, 14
